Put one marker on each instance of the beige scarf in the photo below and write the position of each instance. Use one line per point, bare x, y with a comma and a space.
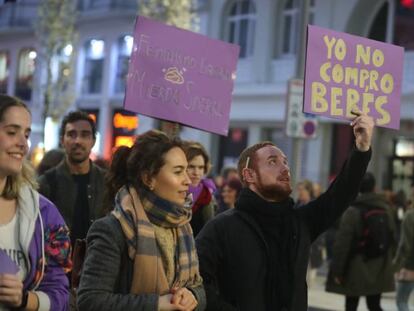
137, 214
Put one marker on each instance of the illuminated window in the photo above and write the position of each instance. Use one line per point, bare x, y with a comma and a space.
61, 68
4, 71
404, 148
93, 71
124, 125
124, 51
126, 122
26, 68
67, 50
124, 141
241, 24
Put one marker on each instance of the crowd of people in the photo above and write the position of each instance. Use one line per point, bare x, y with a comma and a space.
162, 234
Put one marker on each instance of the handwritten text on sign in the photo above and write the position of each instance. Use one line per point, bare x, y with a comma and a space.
181, 76
345, 73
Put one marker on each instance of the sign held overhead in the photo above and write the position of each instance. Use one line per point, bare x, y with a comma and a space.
345, 73
181, 76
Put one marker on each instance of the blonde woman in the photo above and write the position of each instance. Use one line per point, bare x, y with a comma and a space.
33, 234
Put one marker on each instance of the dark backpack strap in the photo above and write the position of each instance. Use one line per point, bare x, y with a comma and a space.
359, 239
52, 182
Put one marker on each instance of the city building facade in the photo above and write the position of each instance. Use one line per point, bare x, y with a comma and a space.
268, 34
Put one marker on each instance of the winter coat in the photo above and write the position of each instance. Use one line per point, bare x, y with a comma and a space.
405, 254
360, 276
57, 185
108, 270
41, 225
234, 256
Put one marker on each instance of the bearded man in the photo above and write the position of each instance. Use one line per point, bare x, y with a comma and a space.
255, 256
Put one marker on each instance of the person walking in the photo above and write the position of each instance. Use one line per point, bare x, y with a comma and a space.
363, 250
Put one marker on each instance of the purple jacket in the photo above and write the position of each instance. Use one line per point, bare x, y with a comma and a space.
42, 225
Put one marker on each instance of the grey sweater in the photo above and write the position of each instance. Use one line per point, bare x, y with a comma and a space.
107, 273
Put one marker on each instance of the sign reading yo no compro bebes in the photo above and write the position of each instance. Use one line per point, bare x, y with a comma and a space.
346, 72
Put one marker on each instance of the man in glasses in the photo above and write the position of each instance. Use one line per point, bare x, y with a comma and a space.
255, 256
76, 185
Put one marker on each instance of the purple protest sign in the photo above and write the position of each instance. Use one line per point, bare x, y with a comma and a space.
181, 76
7, 266
346, 72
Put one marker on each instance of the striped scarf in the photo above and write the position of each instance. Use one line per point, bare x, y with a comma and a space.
136, 215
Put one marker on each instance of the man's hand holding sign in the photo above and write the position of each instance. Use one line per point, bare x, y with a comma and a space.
363, 126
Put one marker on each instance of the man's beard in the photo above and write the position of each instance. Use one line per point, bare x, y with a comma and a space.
274, 192
78, 160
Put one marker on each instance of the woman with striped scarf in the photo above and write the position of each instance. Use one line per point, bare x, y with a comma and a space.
142, 255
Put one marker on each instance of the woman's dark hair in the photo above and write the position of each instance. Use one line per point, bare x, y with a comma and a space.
193, 149
51, 158
235, 184
14, 182
116, 175
367, 183
225, 171
144, 158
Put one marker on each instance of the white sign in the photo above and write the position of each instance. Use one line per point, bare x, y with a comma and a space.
298, 124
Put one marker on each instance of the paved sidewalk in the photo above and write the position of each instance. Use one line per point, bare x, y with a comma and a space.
318, 299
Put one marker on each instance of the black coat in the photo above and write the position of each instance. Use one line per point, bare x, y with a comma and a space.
234, 256
58, 185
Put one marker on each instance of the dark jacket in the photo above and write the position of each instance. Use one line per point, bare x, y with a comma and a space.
405, 253
361, 277
204, 214
234, 255
107, 273
58, 186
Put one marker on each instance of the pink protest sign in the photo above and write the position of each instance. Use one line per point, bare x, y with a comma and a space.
346, 72
181, 76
